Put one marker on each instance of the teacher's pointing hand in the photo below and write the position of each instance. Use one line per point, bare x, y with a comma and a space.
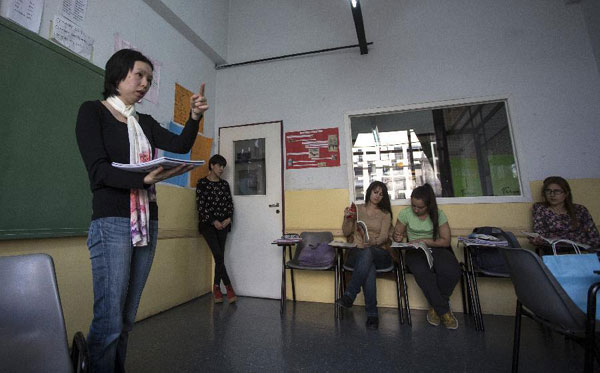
198, 104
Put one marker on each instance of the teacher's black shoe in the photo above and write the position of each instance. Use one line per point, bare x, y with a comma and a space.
345, 301
372, 322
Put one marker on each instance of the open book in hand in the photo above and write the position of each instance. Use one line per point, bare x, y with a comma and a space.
553, 241
165, 162
419, 246
362, 229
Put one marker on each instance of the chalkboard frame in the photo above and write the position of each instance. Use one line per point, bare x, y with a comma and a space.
44, 187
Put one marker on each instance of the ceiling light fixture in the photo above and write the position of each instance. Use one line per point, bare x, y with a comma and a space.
354, 2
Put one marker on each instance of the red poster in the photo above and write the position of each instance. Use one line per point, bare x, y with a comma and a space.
312, 148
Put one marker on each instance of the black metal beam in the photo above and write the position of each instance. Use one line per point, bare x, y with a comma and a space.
360, 27
219, 67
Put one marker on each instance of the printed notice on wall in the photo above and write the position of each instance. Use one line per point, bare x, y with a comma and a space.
71, 36
27, 13
152, 94
74, 10
312, 148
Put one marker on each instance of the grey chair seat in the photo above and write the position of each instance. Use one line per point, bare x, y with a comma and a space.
308, 239
33, 336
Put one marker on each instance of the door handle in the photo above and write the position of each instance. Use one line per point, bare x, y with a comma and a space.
274, 204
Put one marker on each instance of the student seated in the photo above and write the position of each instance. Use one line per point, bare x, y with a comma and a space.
424, 222
559, 217
369, 255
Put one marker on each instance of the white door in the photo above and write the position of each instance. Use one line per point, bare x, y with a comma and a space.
254, 172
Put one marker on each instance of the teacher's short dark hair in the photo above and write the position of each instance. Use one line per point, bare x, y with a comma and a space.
117, 68
217, 159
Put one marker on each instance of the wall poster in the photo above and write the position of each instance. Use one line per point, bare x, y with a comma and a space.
312, 148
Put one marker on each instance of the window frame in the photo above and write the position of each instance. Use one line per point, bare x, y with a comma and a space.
506, 99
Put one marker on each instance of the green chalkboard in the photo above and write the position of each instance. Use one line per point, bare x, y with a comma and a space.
44, 189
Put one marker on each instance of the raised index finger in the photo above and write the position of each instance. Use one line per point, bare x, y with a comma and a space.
202, 90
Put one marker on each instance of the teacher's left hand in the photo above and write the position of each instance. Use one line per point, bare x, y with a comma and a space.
198, 103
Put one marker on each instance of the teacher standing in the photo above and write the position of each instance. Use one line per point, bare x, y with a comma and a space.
123, 232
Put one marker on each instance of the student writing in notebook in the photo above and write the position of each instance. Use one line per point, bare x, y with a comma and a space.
122, 234
424, 222
369, 255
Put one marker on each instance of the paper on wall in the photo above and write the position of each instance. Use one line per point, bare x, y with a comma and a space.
27, 13
71, 36
74, 10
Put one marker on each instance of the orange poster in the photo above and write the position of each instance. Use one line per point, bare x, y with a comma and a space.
200, 150
181, 108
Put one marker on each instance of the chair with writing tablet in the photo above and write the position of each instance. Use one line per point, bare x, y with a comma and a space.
482, 261
312, 239
33, 336
392, 268
541, 298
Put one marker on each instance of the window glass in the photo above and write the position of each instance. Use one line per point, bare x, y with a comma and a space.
249, 177
461, 151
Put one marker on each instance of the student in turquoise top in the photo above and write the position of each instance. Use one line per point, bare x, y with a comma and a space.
424, 222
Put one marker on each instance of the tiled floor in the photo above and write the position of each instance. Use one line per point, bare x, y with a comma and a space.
250, 336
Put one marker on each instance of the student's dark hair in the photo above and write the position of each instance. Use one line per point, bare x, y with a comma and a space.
117, 68
426, 194
564, 185
384, 204
217, 159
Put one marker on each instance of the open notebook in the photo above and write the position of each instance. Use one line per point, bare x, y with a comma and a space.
165, 162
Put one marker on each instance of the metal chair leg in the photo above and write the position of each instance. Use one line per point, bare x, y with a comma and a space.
282, 304
463, 289
398, 293
405, 291
336, 280
292, 275
517, 338
590, 328
478, 312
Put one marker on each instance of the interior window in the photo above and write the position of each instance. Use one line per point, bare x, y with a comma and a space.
461, 151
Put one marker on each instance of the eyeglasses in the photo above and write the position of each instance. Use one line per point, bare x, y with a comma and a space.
553, 192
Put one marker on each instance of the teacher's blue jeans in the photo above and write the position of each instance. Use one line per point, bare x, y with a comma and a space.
119, 273
365, 262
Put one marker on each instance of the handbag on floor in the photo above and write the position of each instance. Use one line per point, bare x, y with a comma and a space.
575, 273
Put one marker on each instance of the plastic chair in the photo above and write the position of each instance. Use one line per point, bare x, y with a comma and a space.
482, 261
311, 238
393, 268
33, 336
542, 298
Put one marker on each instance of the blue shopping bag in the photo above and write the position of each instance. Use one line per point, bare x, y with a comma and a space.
575, 273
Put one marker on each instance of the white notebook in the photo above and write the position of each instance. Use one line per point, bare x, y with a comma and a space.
165, 162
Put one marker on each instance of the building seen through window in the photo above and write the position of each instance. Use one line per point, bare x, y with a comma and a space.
461, 151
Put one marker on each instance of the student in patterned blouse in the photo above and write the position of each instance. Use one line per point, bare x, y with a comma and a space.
559, 217
215, 210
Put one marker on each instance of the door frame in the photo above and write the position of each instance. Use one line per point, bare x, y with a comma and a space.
282, 162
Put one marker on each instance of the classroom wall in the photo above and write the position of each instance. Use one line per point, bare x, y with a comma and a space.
322, 210
591, 12
182, 268
134, 21
537, 53
207, 18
